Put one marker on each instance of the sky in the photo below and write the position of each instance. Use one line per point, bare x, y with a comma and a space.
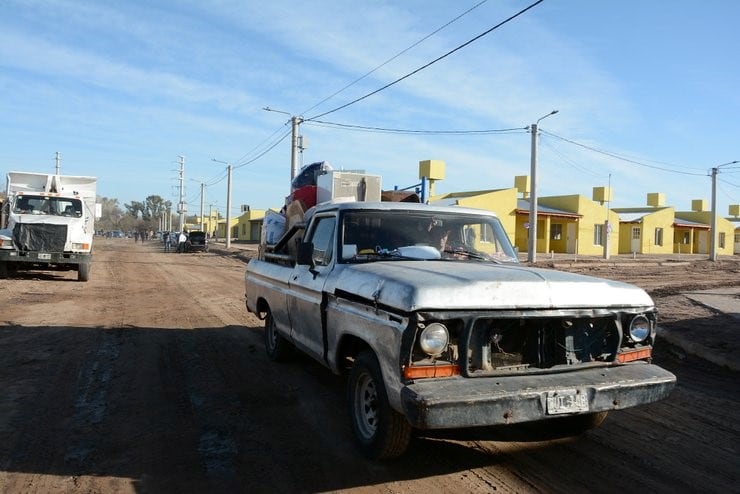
647, 93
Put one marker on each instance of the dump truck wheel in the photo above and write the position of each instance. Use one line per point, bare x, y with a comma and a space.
83, 272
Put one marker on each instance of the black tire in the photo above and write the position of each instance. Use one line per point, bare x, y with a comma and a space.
277, 348
83, 271
3, 270
380, 431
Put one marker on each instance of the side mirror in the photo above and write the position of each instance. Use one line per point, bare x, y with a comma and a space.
305, 254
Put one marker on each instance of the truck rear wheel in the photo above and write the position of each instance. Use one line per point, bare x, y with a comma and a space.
380, 431
83, 271
277, 347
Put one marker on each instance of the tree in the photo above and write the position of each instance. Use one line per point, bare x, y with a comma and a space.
112, 214
135, 209
155, 207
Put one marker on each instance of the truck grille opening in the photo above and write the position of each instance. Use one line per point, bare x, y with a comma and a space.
496, 345
40, 237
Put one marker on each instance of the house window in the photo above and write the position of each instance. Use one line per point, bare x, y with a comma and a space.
721, 240
658, 236
599, 234
556, 231
685, 238
635, 233
737, 238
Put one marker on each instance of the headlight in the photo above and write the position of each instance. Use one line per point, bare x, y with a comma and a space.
639, 328
434, 339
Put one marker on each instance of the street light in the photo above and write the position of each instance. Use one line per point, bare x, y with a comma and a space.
228, 203
532, 243
713, 243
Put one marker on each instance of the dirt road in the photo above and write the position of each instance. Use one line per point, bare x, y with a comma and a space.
152, 378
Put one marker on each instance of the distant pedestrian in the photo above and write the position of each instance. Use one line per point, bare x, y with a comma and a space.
136, 236
166, 240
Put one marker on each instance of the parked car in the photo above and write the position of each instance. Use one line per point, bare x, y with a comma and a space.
197, 242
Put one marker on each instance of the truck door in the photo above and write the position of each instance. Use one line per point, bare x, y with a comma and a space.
306, 301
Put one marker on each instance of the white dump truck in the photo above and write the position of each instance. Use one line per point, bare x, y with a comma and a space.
47, 223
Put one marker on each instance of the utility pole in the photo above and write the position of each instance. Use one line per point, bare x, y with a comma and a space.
202, 206
228, 210
228, 202
294, 121
532, 243
713, 228
181, 202
295, 145
607, 225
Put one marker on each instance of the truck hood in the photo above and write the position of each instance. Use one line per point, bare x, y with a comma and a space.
419, 285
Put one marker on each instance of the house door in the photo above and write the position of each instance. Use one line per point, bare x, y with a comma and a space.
635, 244
570, 238
703, 238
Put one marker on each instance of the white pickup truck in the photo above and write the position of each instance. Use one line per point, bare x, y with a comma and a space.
438, 326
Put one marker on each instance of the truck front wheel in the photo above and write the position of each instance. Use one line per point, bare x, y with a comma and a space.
380, 431
277, 347
83, 271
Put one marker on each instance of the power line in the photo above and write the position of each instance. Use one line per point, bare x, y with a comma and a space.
429, 63
222, 176
619, 157
568, 160
258, 146
282, 138
385, 130
396, 56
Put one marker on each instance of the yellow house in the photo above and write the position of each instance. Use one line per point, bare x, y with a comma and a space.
736, 222
249, 224
596, 227
646, 230
555, 228
221, 228
207, 223
501, 201
565, 224
693, 230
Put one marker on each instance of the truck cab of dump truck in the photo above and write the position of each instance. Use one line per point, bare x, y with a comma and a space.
48, 223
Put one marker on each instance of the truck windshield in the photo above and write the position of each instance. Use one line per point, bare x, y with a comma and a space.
381, 235
58, 206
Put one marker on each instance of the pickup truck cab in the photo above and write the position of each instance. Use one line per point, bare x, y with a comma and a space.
438, 326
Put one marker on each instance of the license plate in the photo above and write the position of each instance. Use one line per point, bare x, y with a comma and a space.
566, 401
45, 256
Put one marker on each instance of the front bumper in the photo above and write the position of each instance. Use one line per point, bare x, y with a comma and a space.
470, 402
8, 255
